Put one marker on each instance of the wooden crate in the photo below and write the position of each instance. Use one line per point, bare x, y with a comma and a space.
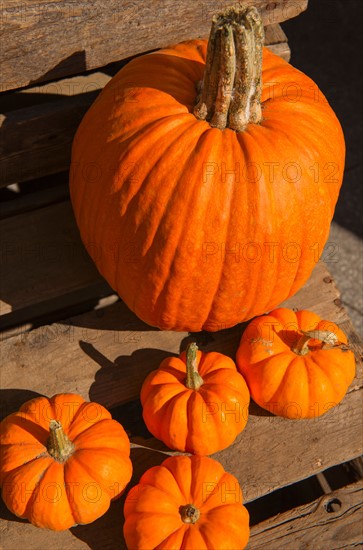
63, 329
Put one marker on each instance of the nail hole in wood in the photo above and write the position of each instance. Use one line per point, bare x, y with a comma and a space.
333, 505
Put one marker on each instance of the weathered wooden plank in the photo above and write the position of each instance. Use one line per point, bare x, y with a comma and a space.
43, 259
315, 525
42, 41
34, 275
34, 200
36, 139
276, 40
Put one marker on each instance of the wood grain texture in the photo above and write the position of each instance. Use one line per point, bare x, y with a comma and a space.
37, 138
43, 260
105, 355
37, 199
42, 41
314, 526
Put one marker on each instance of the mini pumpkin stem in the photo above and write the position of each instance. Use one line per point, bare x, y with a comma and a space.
194, 380
329, 341
59, 446
189, 513
231, 88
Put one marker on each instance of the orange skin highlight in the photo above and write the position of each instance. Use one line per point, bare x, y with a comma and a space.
284, 382
198, 228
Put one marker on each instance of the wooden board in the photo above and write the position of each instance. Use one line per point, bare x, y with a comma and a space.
105, 355
44, 261
43, 41
315, 525
37, 138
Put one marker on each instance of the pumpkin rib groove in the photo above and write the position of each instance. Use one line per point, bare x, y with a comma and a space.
271, 217
307, 368
87, 469
170, 411
191, 409
222, 238
34, 496
217, 433
254, 149
27, 463
170, 535
81, 411
185, 492
309, 358
201, 143
227, 207
174, 387
170, 485
119, 439
337, 365
190, 419
136, 148
171, 145
161, 289
176, 294
283, 380
138, 140
254, 233
139, 185
27, 424
203, 537
189, 534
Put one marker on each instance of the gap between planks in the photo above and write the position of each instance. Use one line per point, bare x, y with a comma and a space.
38, 138
315, 525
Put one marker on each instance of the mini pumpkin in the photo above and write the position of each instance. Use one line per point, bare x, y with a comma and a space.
204, 205
188, 502
296, 365
197, 402
63, 461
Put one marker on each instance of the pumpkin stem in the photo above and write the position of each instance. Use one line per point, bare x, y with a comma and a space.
59, 446
194, 380
231, 88
329, 341
189, 513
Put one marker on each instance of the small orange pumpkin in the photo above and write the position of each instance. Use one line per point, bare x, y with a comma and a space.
295, 364
58, 473
197, 402
186, 502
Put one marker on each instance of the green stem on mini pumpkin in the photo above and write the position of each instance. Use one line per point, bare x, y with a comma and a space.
329, 341
59, 446
189, 513
231, 89
193, 380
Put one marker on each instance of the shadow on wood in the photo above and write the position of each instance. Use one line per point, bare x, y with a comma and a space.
12, 399
69, 65
117, 380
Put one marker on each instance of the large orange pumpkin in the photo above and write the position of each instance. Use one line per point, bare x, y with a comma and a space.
197, 402
206, 205
62, 461
296, 365
187, 503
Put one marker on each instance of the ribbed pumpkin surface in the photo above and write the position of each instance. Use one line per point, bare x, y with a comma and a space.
195, 227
